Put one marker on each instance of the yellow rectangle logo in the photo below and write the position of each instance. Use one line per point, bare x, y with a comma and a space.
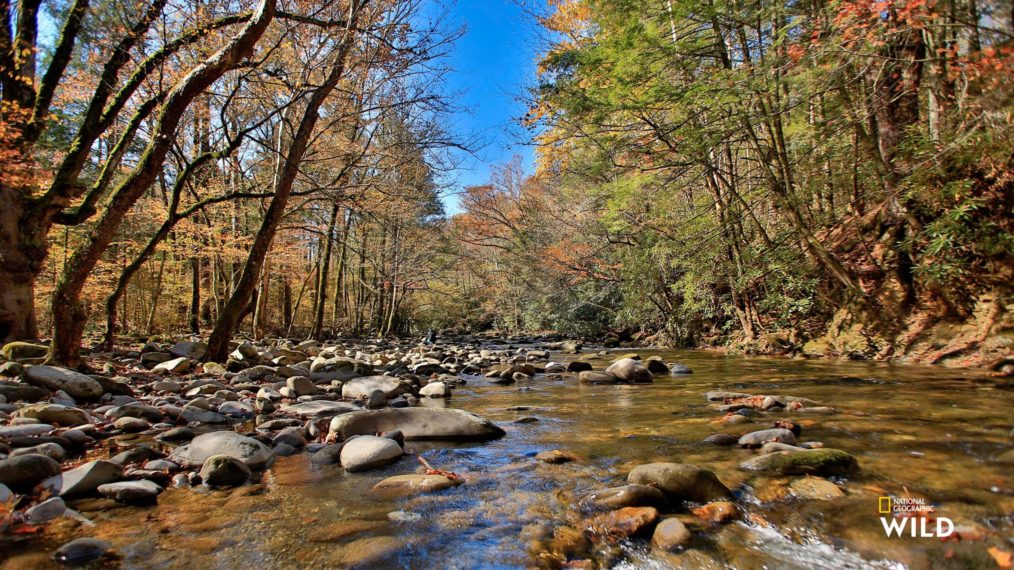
884, 505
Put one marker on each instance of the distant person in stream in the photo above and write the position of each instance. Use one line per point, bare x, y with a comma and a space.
431, 337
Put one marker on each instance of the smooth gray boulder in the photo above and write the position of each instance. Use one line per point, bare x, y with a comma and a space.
255, 454
416, 424
136, 410
74, 383
361, 387
188, 349
46, 511
88, 477
369, 452
176, 366
195, 414
143, 491
26, 430
759, 438
435, 390
23, 472
301, 386
630, 370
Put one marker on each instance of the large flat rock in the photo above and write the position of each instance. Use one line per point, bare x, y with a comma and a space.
74, 383
417, 423
320, 409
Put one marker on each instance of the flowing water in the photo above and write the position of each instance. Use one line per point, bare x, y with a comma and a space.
927, 432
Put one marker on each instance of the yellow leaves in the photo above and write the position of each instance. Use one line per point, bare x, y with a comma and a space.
568, 17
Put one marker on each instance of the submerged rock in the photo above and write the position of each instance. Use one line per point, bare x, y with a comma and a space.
825, 462
670, 535
815, 488
593, 377
224, 471
417, 423
82, 551
721, 439
625, 522
626, 496
681, 481
401, 485
555, 456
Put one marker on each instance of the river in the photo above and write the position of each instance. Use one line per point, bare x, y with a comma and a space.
919, 431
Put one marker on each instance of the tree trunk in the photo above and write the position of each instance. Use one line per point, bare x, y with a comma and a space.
339, 285
286, 305
195, 295
150, 323
22, 252
317, 327
261, 306
218, 343
69, 316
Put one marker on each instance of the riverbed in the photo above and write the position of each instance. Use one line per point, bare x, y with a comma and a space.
922, 432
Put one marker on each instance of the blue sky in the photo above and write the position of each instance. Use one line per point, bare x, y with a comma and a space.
493, 63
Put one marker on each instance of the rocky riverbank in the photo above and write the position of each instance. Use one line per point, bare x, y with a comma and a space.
77, 446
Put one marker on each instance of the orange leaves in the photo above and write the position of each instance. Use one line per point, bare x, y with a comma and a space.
1002, 557
568, 17
796, 52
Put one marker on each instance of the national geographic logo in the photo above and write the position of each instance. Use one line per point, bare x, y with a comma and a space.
914, 515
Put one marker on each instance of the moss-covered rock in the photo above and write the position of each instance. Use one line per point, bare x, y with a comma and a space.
825, 462
25, 352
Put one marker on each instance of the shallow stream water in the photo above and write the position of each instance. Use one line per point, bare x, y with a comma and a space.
927, 432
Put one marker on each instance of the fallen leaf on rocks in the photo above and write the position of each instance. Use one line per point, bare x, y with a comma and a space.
1002, 557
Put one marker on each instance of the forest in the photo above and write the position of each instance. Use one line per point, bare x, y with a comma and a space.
734, 287
827, 178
